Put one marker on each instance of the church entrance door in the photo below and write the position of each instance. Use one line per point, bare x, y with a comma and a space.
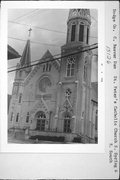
40, 117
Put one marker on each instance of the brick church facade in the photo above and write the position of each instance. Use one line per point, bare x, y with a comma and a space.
57, 98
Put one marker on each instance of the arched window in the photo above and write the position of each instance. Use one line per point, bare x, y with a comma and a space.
17, 117
44, 67
68, 34
87, 40
81, 32
40, 117
73, 32
67, 123
44, 83
27, 117
20, 97
70, 66
47, 67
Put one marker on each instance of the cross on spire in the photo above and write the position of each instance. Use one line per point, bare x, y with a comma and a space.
29, 32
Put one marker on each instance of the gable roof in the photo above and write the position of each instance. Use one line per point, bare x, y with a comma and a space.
12, 53
48, 56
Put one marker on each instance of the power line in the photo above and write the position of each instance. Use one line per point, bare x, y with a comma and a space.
37, 27
46, 29
29, 13
32, 12
56, 55
51, 60
35, 42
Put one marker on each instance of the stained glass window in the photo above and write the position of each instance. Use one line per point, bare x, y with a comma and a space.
41, 117
44, 83
81, 32
70, 66
47, 67
68, 93
87, 41
67, 123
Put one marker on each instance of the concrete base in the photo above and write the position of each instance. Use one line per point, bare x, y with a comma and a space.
20, 134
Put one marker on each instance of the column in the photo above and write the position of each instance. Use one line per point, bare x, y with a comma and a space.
76, 107
57, 109
73, 124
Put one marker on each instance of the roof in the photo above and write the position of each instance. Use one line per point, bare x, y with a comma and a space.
48, 56
12, 53
80, 13
26, 56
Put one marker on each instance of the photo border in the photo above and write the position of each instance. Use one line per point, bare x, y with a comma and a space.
54, 148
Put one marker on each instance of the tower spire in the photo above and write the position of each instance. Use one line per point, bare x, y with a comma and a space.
29, 32
26, 56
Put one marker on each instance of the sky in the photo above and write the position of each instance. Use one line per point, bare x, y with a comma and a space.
55, 20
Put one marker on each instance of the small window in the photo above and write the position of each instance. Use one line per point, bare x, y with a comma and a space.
17, 117
11, 119
47, 67
50, 67
20, 97
44, 68
87, 41
27, 118
15, 90
81, 32
73, 32
68, 93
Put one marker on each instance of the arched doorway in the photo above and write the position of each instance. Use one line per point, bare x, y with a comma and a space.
40, 118
67, 122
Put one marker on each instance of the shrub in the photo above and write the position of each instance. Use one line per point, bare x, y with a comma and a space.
77, 139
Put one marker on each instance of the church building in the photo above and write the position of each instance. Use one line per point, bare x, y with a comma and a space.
56, 98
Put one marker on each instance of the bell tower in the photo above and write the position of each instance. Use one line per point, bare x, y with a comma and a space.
75, 75
78, 27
